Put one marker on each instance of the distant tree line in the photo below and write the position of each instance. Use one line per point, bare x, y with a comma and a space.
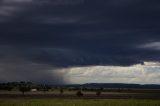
19, 85
79, 89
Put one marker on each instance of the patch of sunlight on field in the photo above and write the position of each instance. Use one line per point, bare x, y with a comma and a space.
59, 102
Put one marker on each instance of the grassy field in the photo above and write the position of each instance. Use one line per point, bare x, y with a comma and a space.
79, 102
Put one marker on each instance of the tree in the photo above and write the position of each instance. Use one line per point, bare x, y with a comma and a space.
61, 91
79, 93
24, 87
98, 92
9, 87
44, 88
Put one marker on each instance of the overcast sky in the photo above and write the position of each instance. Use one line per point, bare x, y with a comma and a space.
80, 41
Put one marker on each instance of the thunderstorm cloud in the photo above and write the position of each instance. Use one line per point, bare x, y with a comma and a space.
42, 40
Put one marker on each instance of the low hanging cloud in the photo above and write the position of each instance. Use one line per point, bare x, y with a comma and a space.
141, 74
151, 46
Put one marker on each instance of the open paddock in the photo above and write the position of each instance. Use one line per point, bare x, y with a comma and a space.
78, 102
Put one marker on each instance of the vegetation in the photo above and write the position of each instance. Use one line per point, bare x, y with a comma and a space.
79, 93
61, 91
56, 102
24, 87
43, 88
98, 92
74, 95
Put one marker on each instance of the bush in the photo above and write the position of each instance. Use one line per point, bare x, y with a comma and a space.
98, 92
24, 87
79, 93
61, 91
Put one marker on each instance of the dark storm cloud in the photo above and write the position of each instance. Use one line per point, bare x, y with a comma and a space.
68, 33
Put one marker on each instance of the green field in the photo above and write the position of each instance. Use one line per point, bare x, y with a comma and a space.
65, 102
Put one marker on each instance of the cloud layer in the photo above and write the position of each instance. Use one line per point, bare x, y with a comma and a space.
57, 34
141, 74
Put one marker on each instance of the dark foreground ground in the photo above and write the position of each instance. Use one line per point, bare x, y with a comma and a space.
86, 96
78, 102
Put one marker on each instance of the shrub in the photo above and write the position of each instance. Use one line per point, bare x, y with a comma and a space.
79, 93
98, 92
24, 87
61, 91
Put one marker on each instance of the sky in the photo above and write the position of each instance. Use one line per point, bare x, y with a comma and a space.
80, 41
